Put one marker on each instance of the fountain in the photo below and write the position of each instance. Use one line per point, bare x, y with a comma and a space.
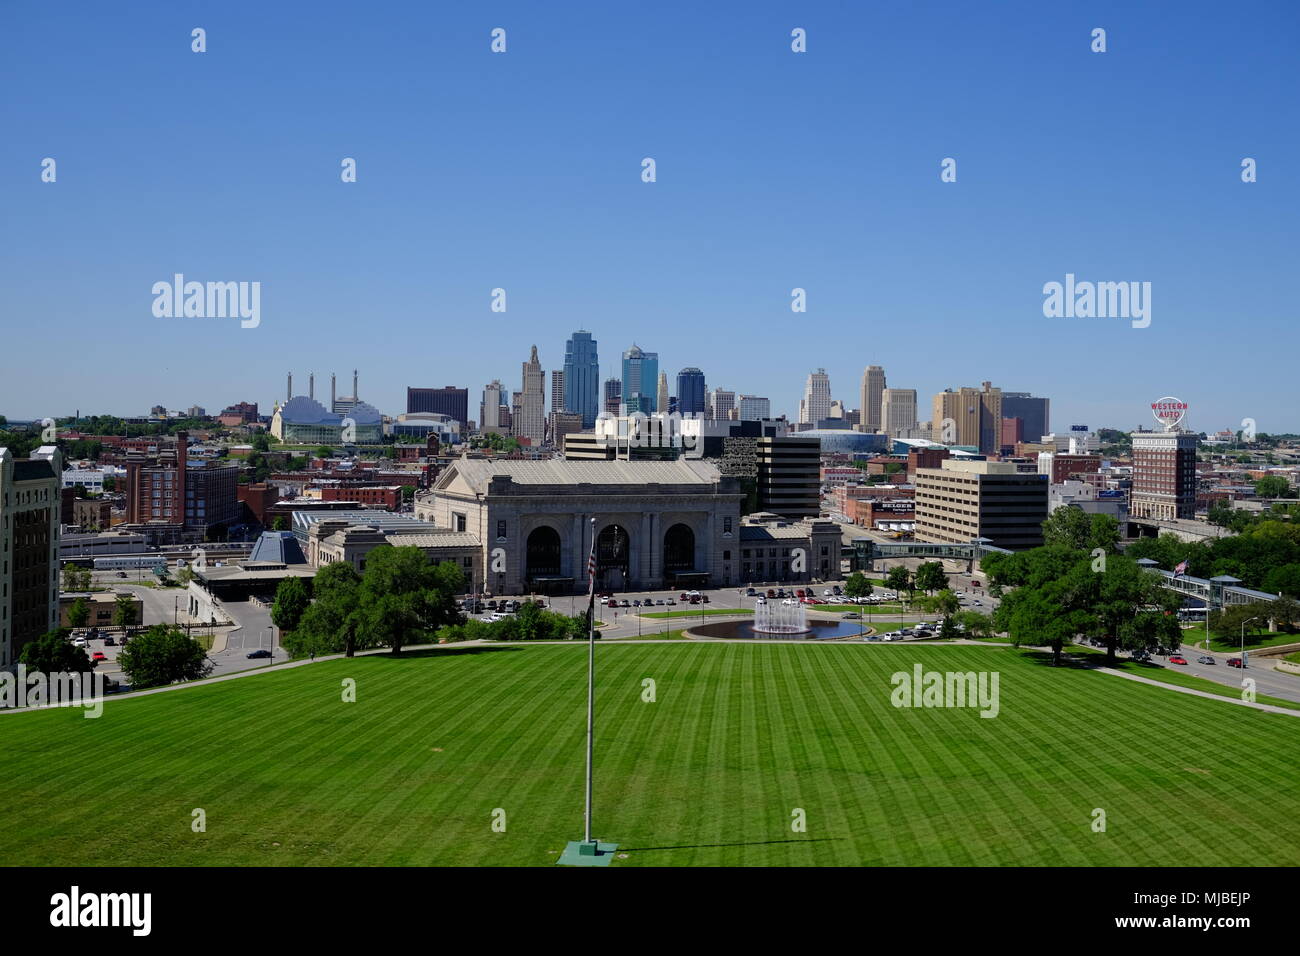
780, 618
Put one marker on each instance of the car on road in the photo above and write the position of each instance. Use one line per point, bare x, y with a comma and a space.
977, 602
1177, 659
110, 641
1235, 662
121, 574
1205, 659
260, 652
78, 642
97, 657
851, 616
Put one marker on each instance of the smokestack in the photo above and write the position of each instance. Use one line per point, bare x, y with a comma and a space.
334, 398
311, 385
289, 391
356, 396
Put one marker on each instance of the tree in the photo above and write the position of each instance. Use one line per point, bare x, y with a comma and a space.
184, 576
281, 523
124, 611
78, 614
332, 622
1283, 580
857, 586
324, 451
52, 653
898, 580
162, 655
291, 600
403, 596
1273, 486
1081, 531
261, 442
75, 578
930, 577
975, 623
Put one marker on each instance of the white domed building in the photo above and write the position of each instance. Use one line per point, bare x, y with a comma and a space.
304, 420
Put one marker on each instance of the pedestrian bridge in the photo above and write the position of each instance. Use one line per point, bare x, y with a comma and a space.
1215, 592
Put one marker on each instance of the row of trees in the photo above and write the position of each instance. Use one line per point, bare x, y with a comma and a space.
1265, 555
159, 655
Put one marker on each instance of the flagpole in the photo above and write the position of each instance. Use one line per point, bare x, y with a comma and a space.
590, 852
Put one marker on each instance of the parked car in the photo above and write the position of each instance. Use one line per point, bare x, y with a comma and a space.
121, 574
659, 602
704, 598
1177, 659
672, 602
749, 592
800, 593
1205, 659
110, 641
626, 603
78, 642
837, 590
771, 593
636, 602
683, 597
760, 600
1235, 662
827, 593
260, 652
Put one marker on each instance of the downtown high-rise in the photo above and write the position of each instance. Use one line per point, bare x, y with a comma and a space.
582, 377
640, 379
691, 391
530, 422
816, 403
873, 390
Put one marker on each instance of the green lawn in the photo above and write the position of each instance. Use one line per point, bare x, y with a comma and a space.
1226, 643
740, 736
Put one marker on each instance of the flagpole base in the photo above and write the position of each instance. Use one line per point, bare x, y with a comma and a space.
584, 853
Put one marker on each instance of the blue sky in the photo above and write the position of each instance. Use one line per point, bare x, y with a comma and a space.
775, 170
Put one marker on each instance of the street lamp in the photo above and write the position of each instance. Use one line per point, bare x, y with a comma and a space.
1243, 639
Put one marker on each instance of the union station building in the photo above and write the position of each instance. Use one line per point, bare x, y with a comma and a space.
658, 524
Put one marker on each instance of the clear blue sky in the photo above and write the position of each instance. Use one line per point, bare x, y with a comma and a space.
775, 170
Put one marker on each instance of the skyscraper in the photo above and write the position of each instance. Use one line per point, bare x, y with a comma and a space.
754, 408
690, 391
873, 387
582, 377
721, 402
613, 396
969, 416
661, 393
816, 404
490, 410
531, 421
897, 411
1035, 413
640, 379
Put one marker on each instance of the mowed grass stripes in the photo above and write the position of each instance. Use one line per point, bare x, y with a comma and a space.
739, 738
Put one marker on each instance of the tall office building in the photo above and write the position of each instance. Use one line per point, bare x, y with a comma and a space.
530, 423
721, 402
640, 379
970, 417
1034, 413
754, 408
557, 391
1164, 475
613, 397
448, 400
789, 476
342, 404
963, 500
691, 392
582, 377
29, 535
489, 418
661, 393
897, 411
816, 403
873, 389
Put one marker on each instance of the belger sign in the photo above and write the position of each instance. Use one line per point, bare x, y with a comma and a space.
1169, 412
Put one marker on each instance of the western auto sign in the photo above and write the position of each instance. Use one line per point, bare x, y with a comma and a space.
1169, 412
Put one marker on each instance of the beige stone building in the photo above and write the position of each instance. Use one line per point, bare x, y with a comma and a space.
964, 500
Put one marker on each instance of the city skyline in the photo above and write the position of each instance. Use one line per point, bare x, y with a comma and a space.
699, 264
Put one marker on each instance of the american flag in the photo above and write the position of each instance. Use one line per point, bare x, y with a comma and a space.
591, 565
1180, 569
